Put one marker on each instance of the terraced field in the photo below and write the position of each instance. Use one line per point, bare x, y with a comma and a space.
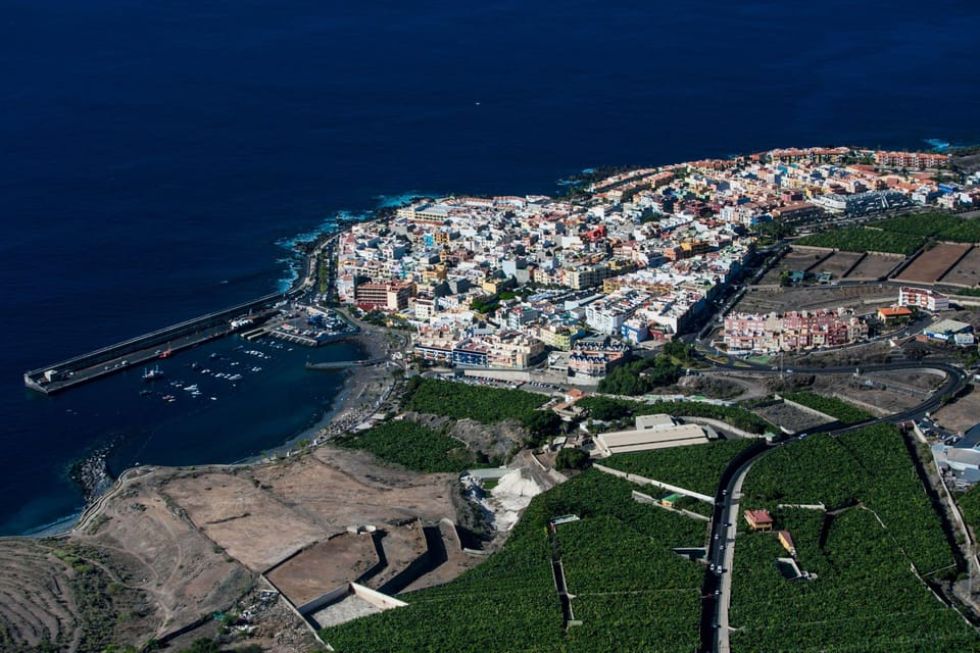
56, 595
36, 604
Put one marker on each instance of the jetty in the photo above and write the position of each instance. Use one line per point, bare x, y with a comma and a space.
159, 344
163, 343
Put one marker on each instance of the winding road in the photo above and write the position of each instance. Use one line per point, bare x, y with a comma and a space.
715, 628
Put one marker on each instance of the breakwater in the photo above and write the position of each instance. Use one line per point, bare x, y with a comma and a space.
148, 347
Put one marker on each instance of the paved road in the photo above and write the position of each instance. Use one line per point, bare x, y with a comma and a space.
724, 555
721, 552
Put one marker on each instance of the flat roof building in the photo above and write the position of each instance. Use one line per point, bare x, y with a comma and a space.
651, 432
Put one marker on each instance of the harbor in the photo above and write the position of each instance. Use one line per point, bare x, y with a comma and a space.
150, 347
277, 314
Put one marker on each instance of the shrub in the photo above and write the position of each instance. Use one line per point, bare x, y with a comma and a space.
571, 458
412, 445
461, 400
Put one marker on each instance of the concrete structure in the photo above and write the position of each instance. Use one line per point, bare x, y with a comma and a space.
384, 296
950, 331
928, 300
651, 432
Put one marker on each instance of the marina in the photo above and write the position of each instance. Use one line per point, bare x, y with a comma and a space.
270, 315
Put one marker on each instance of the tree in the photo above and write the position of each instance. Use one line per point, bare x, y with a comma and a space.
541, 424
678, 349
606, 409
202, 645
572, 459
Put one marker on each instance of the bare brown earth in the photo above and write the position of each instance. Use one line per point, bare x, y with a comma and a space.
837, 264
133, 568
184, 543
791, 417
960, 415
929, 266
795, 259
863, 299
324, 566
874, 266
966, 272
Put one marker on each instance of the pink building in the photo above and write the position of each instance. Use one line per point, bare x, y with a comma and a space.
792, 331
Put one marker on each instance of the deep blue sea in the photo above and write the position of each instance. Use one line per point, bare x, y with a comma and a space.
156, 158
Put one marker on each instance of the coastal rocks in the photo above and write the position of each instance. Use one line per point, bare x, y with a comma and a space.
92, 474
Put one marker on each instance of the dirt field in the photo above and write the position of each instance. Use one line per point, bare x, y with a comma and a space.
51, 594
790, 417
795, 259
263, 514
185, 542
960, 415
325, 566
931, 265
966, 273
133, 568
152, 538
837, 264
864, 299
870, 392
874, 266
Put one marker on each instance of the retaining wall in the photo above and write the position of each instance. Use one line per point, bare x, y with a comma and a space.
642, 480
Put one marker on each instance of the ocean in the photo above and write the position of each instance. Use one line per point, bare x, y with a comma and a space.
157, 160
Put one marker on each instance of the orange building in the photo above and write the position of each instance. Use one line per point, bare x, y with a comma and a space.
894, 314
758, 520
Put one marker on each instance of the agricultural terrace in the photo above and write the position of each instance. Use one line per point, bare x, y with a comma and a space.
411, 445
694, 467
608, 409
918, 224
970, 507
618, 579
871, 466
864, 598
509, 602
935, 224
864, 239
463, 401
842, 411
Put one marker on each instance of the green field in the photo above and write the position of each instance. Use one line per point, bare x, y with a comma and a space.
509, 603
865, 596
919, 224
863, 239
871, 466
902, 234
618, 592
970, 507
695, 467
411, 445
605, 408
844, 412
935, 224
461, 401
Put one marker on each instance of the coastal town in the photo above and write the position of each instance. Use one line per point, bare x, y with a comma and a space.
609, 420
639, 258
